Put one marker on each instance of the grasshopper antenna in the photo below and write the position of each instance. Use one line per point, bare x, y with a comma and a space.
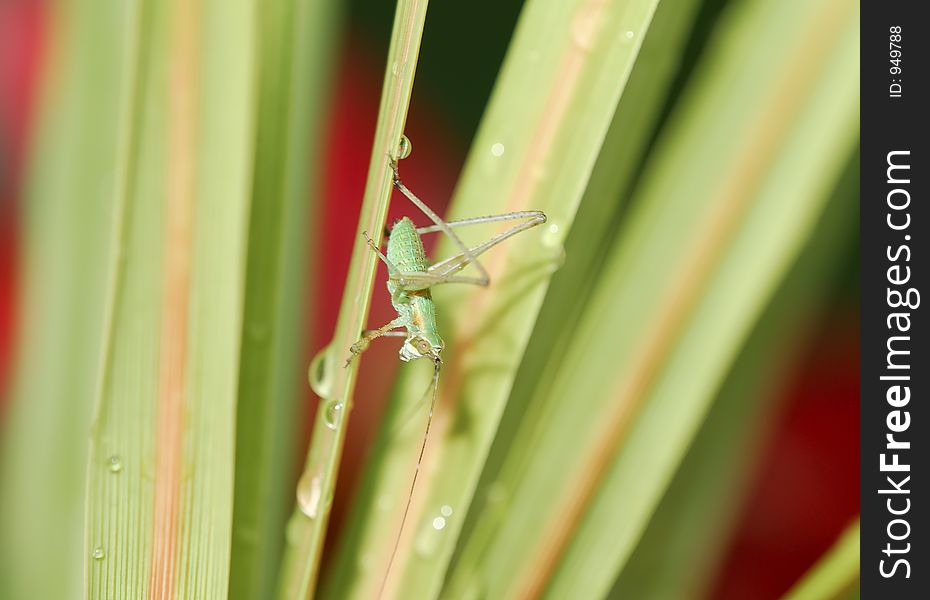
429, 420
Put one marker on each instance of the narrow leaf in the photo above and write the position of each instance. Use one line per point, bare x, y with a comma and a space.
334, 381
296, 48
160, 472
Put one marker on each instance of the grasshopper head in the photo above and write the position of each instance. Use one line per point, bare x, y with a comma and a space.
423, 345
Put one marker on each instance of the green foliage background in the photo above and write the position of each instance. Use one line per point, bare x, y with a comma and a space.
601, 401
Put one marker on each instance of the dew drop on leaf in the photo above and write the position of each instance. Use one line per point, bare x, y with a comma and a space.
115, 464
333, 414
312, 499
309, 494
319, 373
404, 147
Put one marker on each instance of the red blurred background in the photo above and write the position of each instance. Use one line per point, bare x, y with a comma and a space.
805, 489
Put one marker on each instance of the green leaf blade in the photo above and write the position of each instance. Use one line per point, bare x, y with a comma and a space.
296, 47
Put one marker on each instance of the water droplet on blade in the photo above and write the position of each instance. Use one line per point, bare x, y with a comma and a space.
115, 464
333, 414
552, 236
320, 374
310, 494
431, 533
445, 510
497, 149
98, 553
404, 147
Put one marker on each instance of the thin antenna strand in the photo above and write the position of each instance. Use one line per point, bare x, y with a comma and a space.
413, 484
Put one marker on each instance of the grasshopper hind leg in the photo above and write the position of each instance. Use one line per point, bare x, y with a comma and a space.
444, 271
439, 224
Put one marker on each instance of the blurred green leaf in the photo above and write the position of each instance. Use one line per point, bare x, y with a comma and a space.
334, 379
600, 214
77, 166
679, 552
296, 40
160, 472
590, 438
732, 191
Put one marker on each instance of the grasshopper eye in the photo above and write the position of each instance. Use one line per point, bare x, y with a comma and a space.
423, 346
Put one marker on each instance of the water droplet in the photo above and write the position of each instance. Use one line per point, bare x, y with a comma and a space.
552, 236
320, 374
497, 149
431, 532
394, 68
115, 464
99, 553
404, 147
629, 35
310, 494
333, 414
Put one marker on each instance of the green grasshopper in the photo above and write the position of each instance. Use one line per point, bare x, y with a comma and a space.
410, 278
